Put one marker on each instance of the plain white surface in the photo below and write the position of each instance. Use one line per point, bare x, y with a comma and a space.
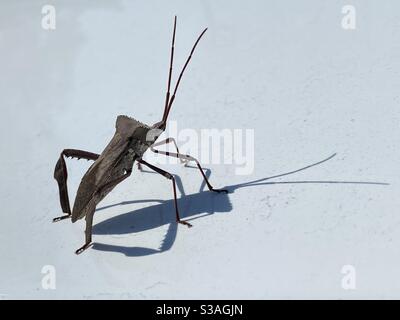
284, 68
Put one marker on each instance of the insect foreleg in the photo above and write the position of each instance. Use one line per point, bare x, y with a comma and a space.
166, 141
160, 143
190, 158
170, 177
61, 175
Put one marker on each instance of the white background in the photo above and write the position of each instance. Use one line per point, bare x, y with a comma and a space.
286, 69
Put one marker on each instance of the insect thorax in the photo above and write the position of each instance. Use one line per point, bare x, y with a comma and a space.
135, 132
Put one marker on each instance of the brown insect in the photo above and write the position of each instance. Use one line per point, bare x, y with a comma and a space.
130, 141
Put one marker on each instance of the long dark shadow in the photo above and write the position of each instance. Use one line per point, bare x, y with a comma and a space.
307, 182
258, 181
298, 170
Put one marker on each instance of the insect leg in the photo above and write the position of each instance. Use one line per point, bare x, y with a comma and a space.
166, 141
88, 232
190, 158
61, 174
170, 177
89, 216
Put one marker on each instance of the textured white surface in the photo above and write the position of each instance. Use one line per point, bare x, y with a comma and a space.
284, 68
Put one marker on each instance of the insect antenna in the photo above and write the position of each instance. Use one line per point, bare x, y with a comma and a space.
170, 71
166, 113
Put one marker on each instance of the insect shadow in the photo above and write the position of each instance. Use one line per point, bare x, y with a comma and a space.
193, 206
161, 213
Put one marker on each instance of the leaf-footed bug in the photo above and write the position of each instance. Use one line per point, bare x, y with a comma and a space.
130, 141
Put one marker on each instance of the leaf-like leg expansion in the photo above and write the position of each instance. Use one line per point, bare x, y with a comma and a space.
61, 175
190, 158
170, 177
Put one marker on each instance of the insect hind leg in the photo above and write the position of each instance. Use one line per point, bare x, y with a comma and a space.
61, 175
